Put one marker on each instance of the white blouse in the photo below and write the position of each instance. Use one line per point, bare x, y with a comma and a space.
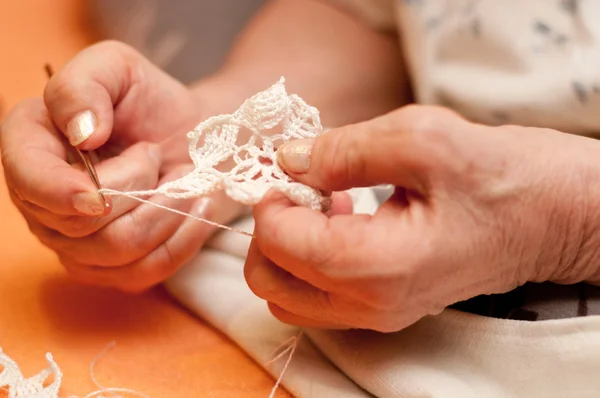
525, 62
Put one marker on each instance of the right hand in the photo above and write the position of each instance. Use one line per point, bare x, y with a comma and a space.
112, 99
476, 210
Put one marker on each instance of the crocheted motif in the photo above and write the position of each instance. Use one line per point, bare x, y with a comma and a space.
255, 170
18, 386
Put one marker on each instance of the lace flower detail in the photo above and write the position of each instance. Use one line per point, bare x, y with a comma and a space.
254, 168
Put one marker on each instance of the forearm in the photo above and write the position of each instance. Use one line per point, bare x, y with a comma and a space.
335, 62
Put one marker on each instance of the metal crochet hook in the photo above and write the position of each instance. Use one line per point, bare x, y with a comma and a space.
86, 157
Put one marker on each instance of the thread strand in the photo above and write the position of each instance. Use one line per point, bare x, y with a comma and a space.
215, 224
287, 364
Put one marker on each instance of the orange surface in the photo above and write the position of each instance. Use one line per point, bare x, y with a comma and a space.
161, 350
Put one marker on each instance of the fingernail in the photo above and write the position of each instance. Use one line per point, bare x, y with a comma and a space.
295, 155
89, 203
81, 127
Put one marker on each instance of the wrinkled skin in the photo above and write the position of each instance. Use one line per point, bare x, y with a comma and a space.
477, 210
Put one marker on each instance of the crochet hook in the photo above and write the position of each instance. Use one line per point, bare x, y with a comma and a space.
86, 157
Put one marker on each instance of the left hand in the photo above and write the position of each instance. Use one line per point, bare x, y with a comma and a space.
477, 210
111, 99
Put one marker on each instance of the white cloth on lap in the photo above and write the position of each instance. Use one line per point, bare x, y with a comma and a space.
447, 356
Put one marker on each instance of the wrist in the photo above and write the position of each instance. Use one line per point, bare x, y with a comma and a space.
573, 189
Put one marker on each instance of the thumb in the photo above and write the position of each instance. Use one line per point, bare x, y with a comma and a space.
81, 96
384, 150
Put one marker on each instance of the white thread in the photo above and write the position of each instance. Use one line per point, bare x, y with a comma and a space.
292, 349
110, 346
12, 380
18, 386
239, 231
255, 170
97, 394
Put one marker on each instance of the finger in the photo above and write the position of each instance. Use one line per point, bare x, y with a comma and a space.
386, 150
346, 254
165, 259
294, 296
279, 287
341, 204
81, 96
136, 168
112, 87
308, 244
129, 237
303, 322
35, 165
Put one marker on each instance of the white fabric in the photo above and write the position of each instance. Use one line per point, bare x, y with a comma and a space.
213, 287
448, 356
524, 62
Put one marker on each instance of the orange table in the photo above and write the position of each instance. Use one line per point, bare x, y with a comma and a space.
161, 349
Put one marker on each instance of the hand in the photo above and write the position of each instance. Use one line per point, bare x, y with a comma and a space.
476, 210
108, 97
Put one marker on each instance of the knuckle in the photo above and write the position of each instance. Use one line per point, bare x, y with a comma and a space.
166, 261
347, 160
125, 239
325, 262
16, 195
44, 235
112, 47
324, 258
76, 226
64, 84
59, 88
423, 119
31, 109
331, 253
428, 126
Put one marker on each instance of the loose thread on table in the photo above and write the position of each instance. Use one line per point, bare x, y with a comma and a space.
101, 389
102, 353
113, 192
295, 340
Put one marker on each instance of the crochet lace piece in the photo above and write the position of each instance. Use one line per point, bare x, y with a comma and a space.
12, 380
272, 117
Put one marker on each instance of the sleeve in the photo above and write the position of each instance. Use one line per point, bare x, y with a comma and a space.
379, 14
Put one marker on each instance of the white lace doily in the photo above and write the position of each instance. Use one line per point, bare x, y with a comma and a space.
18, 386
272, 117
